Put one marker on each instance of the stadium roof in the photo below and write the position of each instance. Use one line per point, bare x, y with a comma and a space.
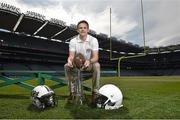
35, 24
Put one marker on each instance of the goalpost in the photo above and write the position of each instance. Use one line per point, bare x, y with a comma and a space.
127, 57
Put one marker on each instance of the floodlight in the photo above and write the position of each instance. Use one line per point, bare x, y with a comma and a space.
35, 15
9, 8
92, 32
56, 21
103, 35
73, 26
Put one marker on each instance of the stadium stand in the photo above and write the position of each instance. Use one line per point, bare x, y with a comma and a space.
30, 42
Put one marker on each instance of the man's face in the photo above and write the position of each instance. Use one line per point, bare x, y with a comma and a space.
83, 29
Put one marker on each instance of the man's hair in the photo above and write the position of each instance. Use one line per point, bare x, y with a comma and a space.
83, 21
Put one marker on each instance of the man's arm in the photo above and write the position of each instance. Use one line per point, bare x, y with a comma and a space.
70, 58
95, 51
94, 58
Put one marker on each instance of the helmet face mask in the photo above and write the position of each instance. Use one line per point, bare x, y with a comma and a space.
42, 96
48, 100
36, 102
100, 101
111, 103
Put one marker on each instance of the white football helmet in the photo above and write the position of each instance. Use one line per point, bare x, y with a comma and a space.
110, 97
42, 96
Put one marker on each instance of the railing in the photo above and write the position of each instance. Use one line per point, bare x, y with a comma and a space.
40, 76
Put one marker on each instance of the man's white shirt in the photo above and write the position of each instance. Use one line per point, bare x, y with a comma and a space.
84, 47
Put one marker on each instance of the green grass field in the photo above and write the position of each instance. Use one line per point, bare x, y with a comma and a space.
144, 98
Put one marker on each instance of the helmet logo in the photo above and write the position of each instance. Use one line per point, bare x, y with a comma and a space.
34, 93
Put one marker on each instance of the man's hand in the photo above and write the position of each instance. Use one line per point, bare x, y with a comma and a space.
70, 63
87, 63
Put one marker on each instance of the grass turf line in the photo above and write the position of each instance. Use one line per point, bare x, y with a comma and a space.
144, 98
